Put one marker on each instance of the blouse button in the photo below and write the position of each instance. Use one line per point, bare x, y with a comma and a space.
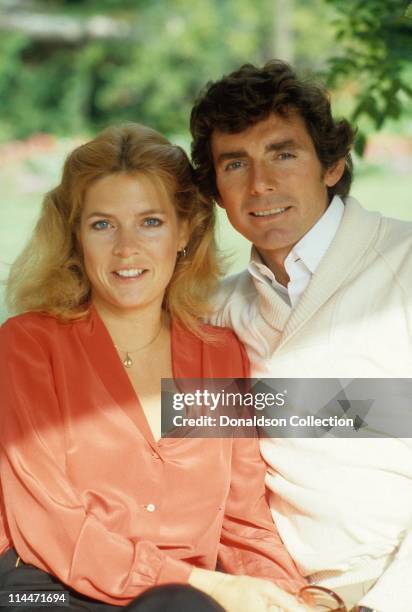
150, 507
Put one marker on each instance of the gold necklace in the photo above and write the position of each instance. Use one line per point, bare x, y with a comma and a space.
128, 361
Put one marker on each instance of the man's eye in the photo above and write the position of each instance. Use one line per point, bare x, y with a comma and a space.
234, 165
286, 155
102, 224
152, 222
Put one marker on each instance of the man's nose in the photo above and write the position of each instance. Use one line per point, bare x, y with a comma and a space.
127, 243
261, 179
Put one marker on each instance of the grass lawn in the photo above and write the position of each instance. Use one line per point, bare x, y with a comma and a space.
26, 178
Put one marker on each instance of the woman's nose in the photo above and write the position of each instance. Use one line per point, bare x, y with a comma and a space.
126, 244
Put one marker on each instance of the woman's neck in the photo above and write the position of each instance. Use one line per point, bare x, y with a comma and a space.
131, 330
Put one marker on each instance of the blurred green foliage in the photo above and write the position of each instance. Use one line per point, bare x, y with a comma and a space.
151, 75
173, 48
376, 55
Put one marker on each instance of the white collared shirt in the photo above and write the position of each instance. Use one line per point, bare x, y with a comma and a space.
305, 256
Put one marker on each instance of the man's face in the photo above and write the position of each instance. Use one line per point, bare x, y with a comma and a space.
271, 183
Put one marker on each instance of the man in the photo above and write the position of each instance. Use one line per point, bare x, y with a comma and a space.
328, 293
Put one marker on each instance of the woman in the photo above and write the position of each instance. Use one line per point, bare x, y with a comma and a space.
112, 285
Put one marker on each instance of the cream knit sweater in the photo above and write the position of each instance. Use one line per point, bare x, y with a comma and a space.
343, 507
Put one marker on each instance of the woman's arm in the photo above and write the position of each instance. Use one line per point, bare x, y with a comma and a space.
49, 524
250, 544
4, 532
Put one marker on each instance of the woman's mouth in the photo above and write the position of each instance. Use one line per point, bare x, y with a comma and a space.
129, 273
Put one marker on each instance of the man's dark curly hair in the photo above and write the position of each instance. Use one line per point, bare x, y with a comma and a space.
249, 95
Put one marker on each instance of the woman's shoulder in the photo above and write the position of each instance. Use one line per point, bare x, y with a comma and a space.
29, 322
35, 325
221, 335
229, 352
210, 335
218, 353
28, 319
30, 331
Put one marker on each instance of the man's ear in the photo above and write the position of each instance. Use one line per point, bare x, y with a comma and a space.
334, 173
218, 200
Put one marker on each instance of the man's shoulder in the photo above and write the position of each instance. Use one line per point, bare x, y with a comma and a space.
389, 229
371, 233
234, 294
396, 231
235, 288
237, 284
383, 242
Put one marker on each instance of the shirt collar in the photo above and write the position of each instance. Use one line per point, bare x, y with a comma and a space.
311, 247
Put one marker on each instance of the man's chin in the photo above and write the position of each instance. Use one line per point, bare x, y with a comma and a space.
274, 241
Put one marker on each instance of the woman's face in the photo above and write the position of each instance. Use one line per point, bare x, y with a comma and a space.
130, 236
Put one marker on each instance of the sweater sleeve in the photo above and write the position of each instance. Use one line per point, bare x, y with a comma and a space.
49, 525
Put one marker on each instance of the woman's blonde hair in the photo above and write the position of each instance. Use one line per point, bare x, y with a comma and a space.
49, 275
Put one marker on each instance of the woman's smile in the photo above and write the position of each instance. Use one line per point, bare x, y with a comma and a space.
130, 237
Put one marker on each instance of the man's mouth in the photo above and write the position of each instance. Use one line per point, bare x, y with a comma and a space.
267, 213
129, 272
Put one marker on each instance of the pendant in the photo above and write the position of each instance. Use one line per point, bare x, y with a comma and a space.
128, 362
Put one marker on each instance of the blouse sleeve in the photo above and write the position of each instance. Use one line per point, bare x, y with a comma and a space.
4, 536
250, 544
49, 525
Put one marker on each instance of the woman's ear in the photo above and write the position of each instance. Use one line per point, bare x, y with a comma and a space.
184, 236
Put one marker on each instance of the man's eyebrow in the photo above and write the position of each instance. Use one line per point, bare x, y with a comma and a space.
281, 144
231, 155
289, 143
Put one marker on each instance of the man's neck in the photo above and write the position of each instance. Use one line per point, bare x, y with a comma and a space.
316, 242
276, 263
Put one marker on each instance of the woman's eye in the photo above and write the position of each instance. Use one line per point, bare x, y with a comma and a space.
152, 222
102, 224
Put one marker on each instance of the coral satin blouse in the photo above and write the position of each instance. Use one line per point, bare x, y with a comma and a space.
89, 496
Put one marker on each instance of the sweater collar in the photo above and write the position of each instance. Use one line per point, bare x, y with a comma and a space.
353, 238
304, 257
313, 246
